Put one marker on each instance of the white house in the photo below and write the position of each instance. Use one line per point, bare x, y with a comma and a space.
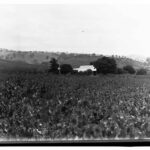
85, 68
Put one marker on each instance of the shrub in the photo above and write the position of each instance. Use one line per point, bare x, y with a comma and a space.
129, 69
141, 71
66, 68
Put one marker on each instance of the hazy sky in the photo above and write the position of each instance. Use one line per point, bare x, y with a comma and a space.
104, 29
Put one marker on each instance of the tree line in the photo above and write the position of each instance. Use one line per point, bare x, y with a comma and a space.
103, 65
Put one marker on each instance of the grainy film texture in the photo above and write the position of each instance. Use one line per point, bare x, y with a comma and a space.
77, 72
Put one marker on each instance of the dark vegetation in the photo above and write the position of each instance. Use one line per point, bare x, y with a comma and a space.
105, 65
42, 101
141, 71
66, 68
52, 106
120, 71
129, 69
53, 68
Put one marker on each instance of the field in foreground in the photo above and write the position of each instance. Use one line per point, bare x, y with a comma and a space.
40, 106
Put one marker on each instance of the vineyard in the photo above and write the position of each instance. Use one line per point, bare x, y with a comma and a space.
55, 107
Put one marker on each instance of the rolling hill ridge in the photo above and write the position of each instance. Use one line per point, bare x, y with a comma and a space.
40, 58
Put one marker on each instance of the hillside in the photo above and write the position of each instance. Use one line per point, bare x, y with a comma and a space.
40, 57
31, 57
18, 66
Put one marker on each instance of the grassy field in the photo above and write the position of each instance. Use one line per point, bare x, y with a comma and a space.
55, 106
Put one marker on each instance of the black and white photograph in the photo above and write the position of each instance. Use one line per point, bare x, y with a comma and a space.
75, 72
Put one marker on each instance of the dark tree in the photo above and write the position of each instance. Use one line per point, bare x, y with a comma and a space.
129, 69
105, 65
141, 71
66, 68
53, 66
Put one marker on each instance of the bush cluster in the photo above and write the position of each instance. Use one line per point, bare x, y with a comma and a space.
104, 65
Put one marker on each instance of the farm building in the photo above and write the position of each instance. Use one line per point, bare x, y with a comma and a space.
85, 68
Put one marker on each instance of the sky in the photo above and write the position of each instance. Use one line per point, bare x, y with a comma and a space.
119, 29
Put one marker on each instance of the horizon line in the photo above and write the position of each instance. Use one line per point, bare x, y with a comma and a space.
67, 52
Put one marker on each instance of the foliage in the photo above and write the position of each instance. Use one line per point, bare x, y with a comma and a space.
66, 68
141, 71
53, 66
119, 71
129, 69
41, 107
105, 65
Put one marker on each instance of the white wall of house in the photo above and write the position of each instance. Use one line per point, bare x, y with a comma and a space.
85, 68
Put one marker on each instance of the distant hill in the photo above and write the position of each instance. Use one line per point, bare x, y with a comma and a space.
31, 57
137, 57
18, 66
38, 59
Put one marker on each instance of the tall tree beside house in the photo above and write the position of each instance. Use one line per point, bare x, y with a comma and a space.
105, 65
53, 66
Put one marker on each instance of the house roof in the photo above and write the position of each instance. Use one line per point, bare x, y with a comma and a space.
85, 68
